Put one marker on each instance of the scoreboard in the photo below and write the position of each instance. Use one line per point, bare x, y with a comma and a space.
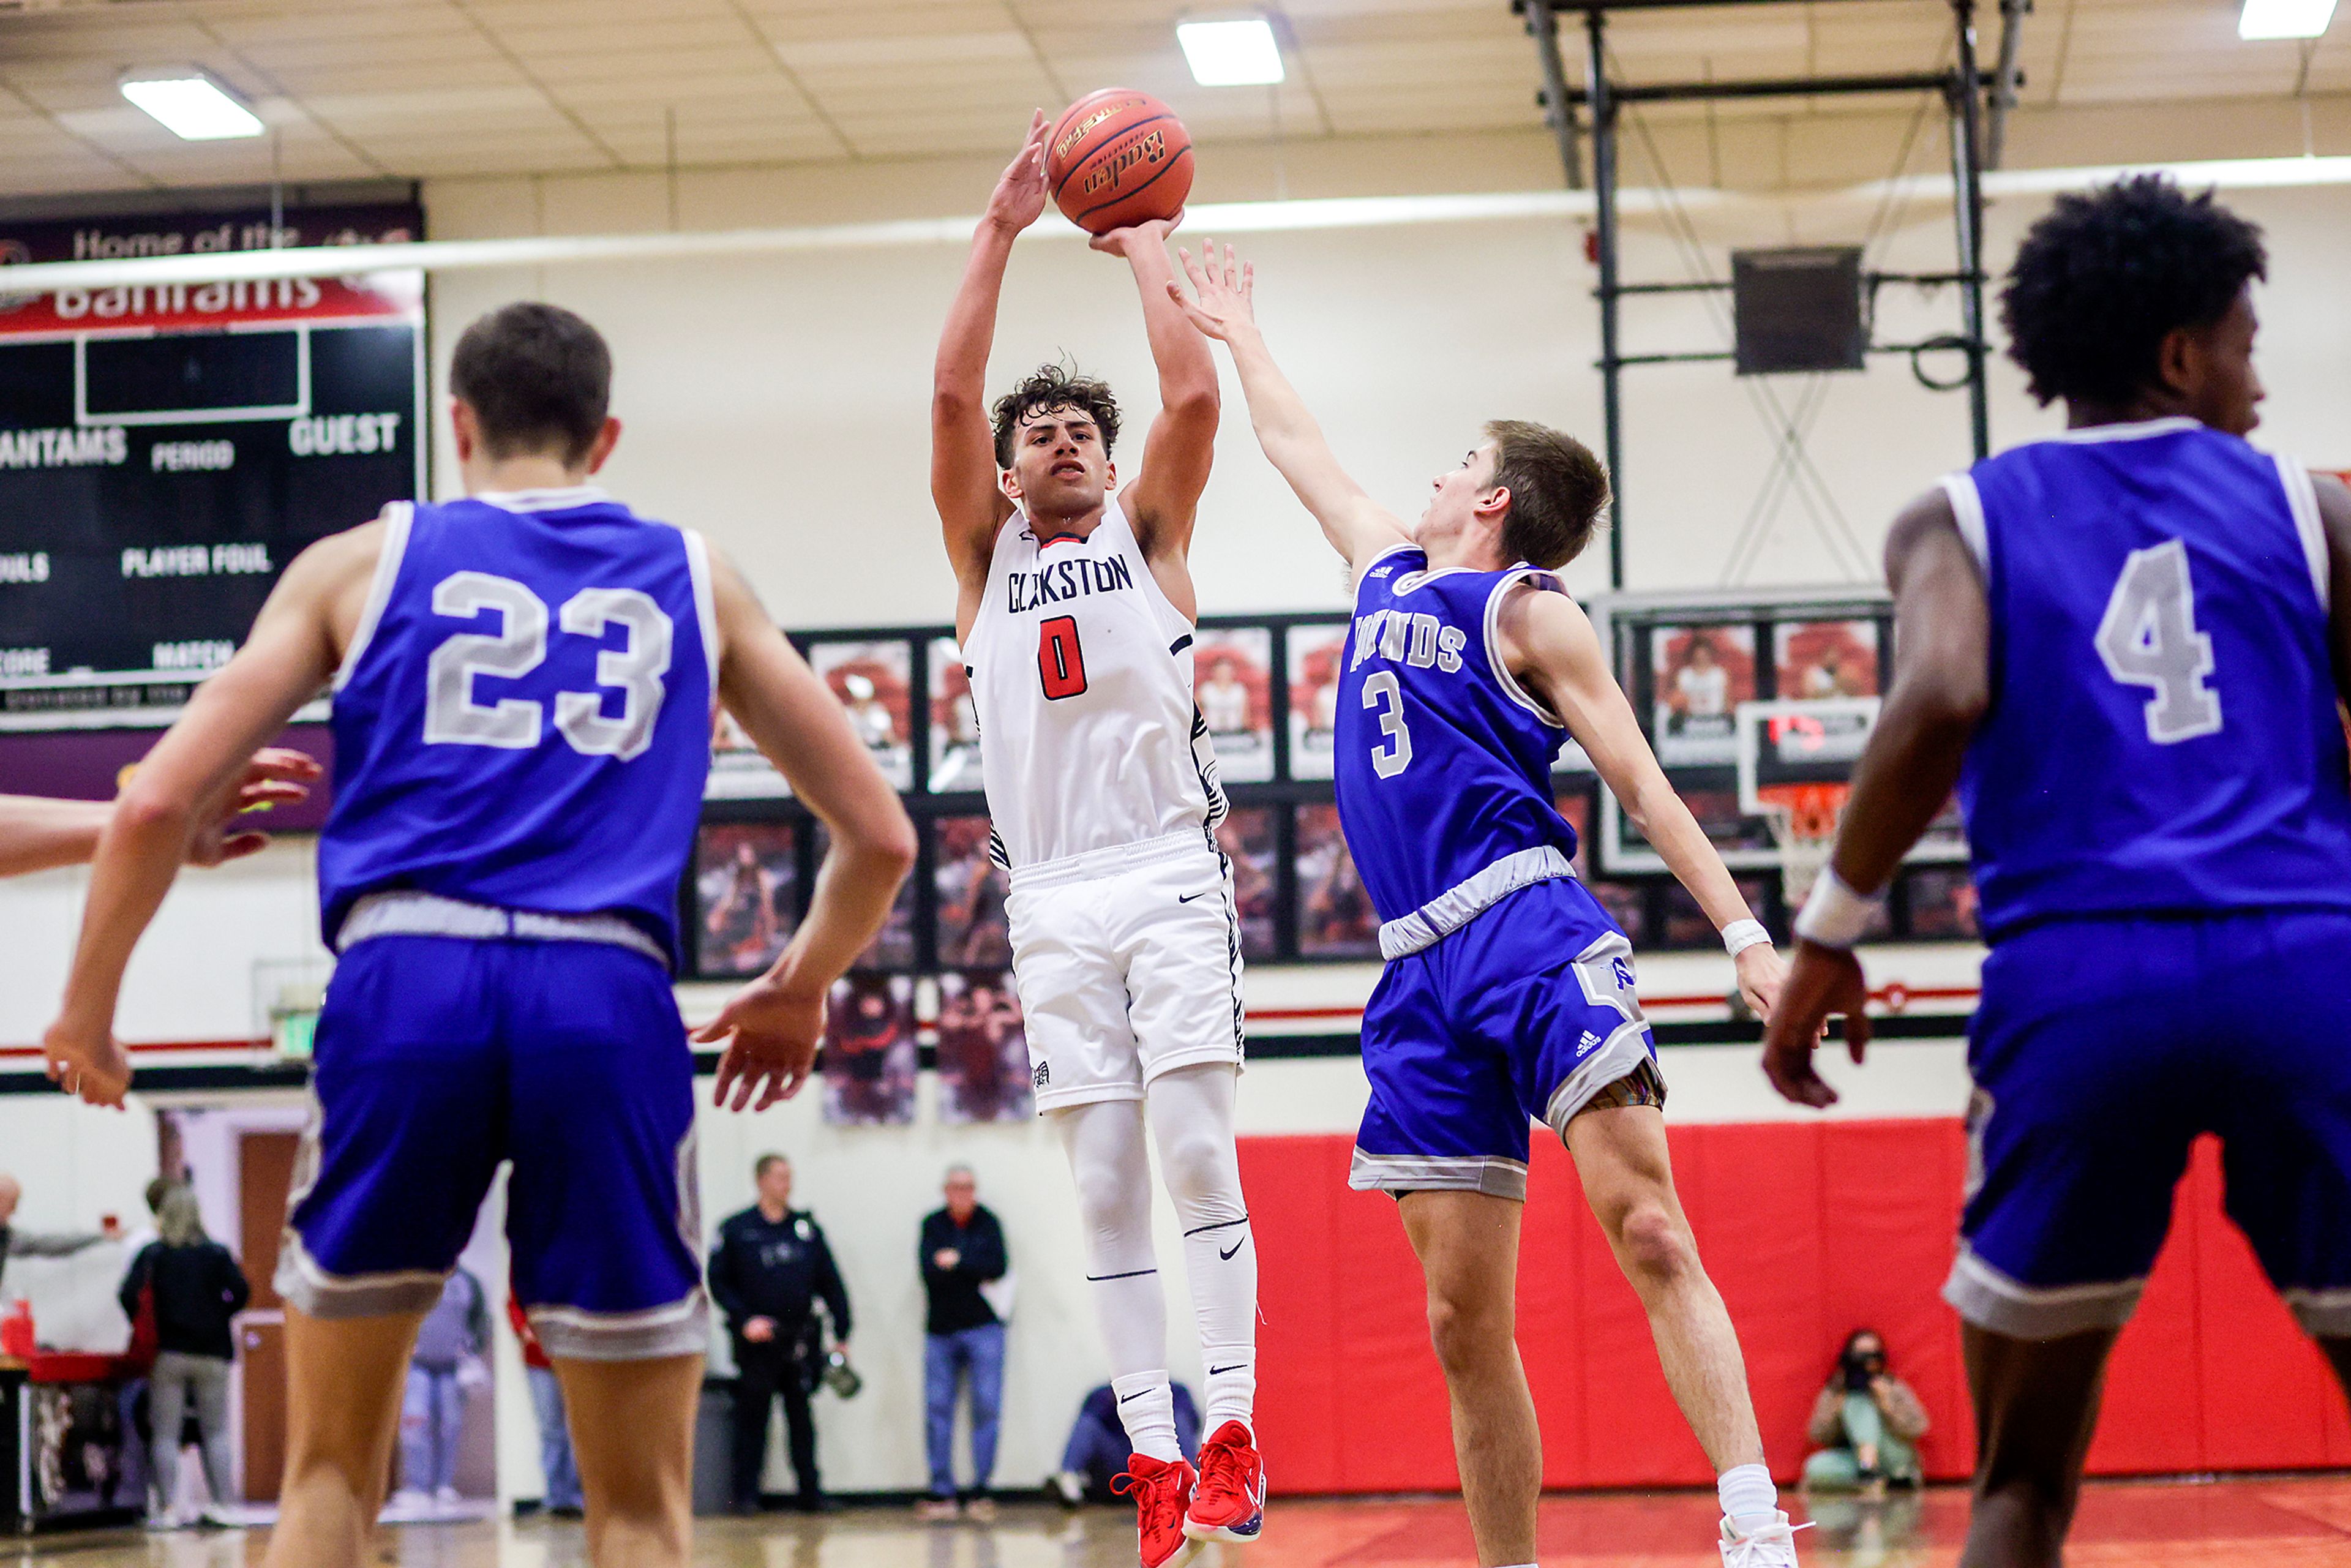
166, 450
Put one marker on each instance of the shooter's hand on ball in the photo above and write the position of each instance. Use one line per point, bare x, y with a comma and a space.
1121, 242
1018, 199
775, 1026
276, 776
1223, 291
1823, 980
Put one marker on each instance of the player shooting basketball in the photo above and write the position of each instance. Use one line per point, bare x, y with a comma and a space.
1074, 609
1509, 991
2126, 646
524, 683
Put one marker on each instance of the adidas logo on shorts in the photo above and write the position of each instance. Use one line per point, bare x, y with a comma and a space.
1042, 1076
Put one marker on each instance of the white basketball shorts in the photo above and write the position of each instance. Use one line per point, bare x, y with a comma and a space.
1129, 965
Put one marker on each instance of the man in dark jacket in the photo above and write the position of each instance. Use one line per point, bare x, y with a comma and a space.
770, 1269
962, 1249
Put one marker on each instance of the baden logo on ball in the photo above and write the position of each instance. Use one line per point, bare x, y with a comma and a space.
1119, 157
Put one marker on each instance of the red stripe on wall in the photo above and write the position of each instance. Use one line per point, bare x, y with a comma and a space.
1809, 1230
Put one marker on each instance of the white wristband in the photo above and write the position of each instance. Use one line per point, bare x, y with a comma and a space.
1835, 915
1740, 934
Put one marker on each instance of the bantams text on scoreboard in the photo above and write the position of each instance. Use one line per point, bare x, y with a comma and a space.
165, 450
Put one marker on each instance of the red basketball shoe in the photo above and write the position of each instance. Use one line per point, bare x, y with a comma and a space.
1163, 1491
1230, 1502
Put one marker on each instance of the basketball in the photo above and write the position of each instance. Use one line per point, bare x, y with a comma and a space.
1118, 157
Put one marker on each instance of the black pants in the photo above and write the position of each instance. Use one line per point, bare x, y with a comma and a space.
764, 1373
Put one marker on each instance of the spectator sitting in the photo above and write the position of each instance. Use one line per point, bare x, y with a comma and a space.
197, 1287
556, 1464
1098, 1448
1868, 1422
962, 1249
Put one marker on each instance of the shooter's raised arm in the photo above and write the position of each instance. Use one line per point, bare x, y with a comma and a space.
1223, 306
1165, 496
963, 450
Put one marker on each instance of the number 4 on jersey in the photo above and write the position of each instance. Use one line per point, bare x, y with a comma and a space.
2148, 638
1060, 662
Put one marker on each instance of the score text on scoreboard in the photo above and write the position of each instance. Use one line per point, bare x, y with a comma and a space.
165, 450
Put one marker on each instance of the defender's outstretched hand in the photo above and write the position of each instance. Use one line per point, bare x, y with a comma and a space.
773, 1052
1824, 981
1223, 296
1018, 199
276, 776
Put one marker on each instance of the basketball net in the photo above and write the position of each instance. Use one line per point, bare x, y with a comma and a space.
1803, 819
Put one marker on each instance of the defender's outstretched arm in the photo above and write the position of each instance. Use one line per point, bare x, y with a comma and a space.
1223, 306
792, 717
37, 833
287, 659
1942, 683
964, 487
1177, 455
1554, 651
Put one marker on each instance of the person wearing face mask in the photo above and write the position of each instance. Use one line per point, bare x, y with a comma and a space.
1867, 1422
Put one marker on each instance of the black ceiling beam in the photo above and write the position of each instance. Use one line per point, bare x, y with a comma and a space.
1794, 86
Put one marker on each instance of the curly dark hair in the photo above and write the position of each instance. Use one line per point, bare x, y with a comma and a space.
2102, 278
1053, 387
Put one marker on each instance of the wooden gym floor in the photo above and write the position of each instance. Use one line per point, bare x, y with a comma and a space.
2298, 1523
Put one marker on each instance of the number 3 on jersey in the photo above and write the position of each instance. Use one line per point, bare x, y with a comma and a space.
1060, 662
1393, 754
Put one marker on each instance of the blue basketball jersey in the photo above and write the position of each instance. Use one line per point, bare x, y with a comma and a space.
2163, 735
1442, 762
523, 719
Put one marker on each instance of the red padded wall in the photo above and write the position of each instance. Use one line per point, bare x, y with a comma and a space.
1810, 1229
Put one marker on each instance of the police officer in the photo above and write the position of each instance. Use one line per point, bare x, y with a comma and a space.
770, 1270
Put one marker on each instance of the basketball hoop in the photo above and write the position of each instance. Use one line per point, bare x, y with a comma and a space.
1804, 818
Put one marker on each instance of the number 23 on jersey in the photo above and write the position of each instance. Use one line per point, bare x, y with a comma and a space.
454, 717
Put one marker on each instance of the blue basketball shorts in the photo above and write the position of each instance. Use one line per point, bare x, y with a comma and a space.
436, 1059
2101, 1049
1525, 1014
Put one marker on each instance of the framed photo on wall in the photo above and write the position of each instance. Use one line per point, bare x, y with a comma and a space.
870, 1054
982, 1049
1702, 674
1232, 683
1315, 653
1250, 838
955, 721
1816, 661
973, 931
746, 895
874, 681
1335, 918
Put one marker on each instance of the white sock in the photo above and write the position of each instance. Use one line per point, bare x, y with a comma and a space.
1747, 1493
1191, 1112
1146, 1408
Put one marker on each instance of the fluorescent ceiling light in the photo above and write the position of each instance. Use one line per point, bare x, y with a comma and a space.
1231, 54
193, 107
2285, 19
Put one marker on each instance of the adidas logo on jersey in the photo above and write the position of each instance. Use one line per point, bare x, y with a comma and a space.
1587, 1043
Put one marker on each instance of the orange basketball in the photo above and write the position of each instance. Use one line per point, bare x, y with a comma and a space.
1118, 157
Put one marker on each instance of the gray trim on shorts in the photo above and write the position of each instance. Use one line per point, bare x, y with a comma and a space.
1989, 1298
1619, 1056
302, 1281
679, 1328
1489, 1174
1470, 897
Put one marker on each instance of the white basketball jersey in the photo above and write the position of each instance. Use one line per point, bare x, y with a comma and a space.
1081, 674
